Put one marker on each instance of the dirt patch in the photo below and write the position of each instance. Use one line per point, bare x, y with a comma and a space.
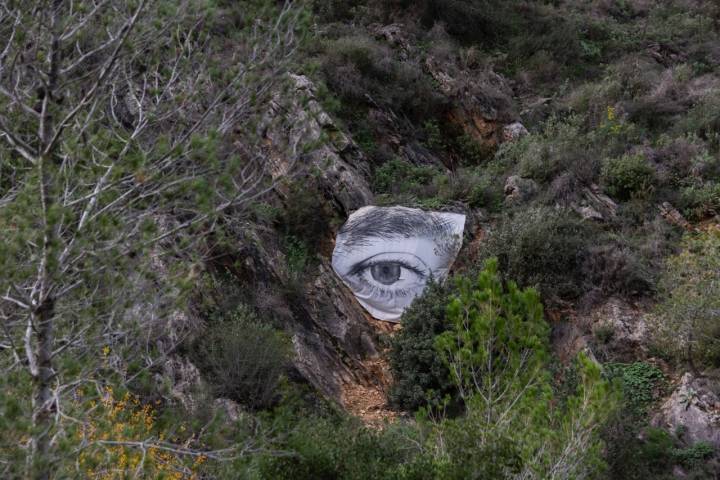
367, 399
369, 403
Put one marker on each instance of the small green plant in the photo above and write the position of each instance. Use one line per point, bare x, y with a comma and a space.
629, 176
434, 137
297, 255
685, 323
542, 247
640, 384
694, 455
604, 333
265, 213
472, 151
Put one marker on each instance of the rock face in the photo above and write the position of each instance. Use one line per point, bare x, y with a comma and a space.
481, 105
694, 410
296, 123
331, 334
614, 329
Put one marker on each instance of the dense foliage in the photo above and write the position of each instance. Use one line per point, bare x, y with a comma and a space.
420, 376
136, 153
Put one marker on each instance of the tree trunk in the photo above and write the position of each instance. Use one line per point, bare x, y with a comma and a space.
43, 404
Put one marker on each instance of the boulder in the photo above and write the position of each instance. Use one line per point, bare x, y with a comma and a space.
674, 217
595, 205
693, 410
513, 131
518, 189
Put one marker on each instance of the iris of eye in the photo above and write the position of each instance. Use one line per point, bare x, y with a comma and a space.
386, 273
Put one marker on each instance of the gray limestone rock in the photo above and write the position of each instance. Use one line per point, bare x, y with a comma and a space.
693, 409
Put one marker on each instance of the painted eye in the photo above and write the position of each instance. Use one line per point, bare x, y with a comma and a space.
389, 274
386, 273
387, 255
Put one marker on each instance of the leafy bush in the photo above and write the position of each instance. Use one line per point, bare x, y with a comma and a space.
614, 266
695, 454
652, 452
704, 118
472, 21
486, 191
699, 202
420, 377
640, 382
307, 216
542, 247
561, 146
629, 176
297, 254
242, 358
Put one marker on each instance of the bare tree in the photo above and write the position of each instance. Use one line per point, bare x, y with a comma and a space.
114, 114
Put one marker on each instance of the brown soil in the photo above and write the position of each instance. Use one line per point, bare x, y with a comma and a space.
369, 403
367, 399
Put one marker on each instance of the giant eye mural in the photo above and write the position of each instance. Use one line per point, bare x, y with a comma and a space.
386, 255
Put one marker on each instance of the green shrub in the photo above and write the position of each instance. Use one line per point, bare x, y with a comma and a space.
703, 119
242, 358
604, 333
307, 216
420, 377
434, 137
364, 72
265, 212
629, 176
694, 455
400, 177
497, 350
471, 151
472, 21
560, 148
542, 247
651, 452
699, 202
486, 192
343, 449
297, 254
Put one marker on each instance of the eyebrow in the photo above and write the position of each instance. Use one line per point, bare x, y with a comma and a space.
392, 223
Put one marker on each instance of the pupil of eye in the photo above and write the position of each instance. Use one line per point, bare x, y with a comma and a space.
386, 273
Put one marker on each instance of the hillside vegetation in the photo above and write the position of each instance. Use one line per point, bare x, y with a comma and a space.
172, 178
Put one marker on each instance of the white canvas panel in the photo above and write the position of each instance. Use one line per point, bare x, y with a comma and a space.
386, 255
